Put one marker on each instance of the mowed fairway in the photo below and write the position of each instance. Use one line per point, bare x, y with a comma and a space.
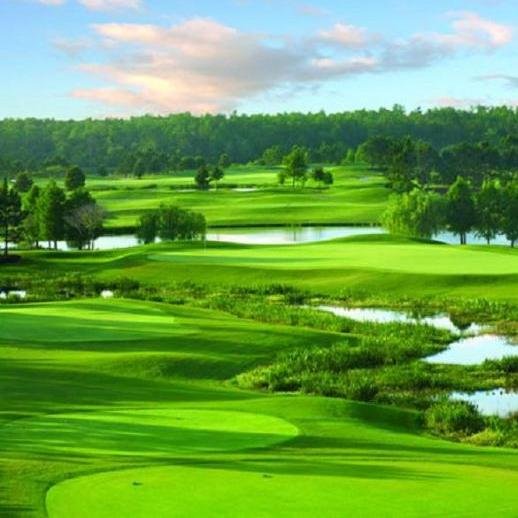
121, 408
357, 196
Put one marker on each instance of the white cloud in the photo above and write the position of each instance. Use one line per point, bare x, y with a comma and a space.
201, 65
347, 36
52, 2
110, 5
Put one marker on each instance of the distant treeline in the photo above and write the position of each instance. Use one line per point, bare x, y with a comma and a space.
157, 144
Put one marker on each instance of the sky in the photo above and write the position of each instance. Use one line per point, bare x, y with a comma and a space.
74, 59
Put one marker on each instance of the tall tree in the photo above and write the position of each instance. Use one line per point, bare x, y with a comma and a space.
51, 213
147, 228
510, 213
23, 182
74, 178
461, 210
202, 178
11, 215
489, 206
216, 175
296, 163
31, 224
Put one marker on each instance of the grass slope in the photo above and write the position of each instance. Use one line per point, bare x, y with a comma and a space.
120, 409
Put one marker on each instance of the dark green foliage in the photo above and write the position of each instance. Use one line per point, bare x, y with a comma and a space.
11, 215
224, 161
23, 182
322, 177
51, 213
510, 211
83, 219
416, 214
147, 228
296, 164
171, 224
490, 209
74, 179
454, 417
216, 175
461, 209
202, 178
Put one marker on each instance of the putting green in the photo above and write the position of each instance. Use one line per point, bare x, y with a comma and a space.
155, 433
252, 490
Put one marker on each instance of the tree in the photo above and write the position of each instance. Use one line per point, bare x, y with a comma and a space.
489, 209
147, 228
322, 177
23, 182
180, 224
296, 163
202, 178
224, 161
376, 151
83, 219
461, 210
74, 178
216, 175
11, 215
272, 156
417, 214
510, 213
51, 213
85, 225
31, 224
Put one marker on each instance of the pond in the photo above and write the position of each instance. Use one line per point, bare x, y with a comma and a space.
277, 236
386, 316
474, 350
249, 236
491, 402
287, 235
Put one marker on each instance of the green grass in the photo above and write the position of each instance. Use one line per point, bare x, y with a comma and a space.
121, 408
379, 265
358, 196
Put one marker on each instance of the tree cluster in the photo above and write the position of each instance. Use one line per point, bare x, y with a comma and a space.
30, 214
171, 223
408, 162
488, 211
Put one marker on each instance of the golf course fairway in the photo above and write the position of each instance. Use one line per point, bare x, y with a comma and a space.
121, 408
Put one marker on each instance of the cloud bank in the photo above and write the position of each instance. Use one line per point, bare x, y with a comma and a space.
201, 65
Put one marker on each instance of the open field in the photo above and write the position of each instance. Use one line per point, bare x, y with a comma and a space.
357, 196
120, 408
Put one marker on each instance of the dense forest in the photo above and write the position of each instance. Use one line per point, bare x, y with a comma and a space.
160, 143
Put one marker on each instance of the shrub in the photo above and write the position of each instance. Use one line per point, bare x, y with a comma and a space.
454, 417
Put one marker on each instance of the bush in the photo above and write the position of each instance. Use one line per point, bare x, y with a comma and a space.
454, 417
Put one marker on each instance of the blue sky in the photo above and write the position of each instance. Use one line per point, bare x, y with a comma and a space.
98, 58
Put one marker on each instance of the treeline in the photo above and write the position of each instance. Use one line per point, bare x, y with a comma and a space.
154, 144
408, 162
489, 211
30, 214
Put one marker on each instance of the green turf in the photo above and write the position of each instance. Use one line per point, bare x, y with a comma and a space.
382, 265
121, 408
357, 196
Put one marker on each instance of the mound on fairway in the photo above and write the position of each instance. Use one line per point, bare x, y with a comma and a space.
158, 432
